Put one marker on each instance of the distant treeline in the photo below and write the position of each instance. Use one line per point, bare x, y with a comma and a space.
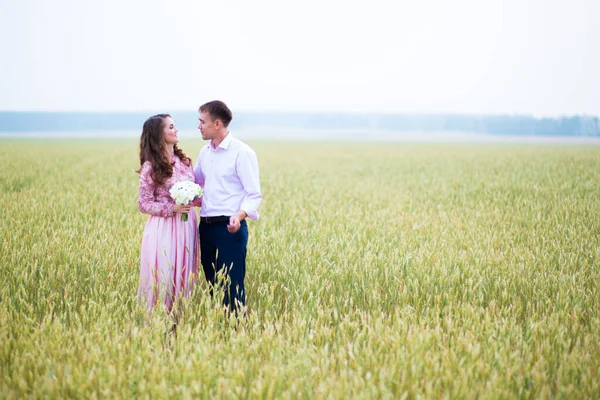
498, 124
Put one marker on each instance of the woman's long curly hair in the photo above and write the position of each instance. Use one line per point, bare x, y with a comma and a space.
154, 149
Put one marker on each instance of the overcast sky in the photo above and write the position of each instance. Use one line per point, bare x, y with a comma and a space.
538, 57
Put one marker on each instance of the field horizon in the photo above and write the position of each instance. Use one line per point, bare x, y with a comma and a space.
262, 134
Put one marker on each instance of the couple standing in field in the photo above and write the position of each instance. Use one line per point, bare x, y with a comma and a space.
227, 170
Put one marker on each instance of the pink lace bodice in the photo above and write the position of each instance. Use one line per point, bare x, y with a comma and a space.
156, 200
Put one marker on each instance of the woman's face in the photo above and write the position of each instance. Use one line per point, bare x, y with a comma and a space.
170, 132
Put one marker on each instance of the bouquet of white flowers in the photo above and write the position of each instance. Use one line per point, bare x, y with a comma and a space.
184, 192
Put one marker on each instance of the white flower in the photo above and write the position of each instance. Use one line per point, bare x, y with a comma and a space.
184, 192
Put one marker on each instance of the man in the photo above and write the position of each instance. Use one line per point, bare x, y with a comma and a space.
227, 169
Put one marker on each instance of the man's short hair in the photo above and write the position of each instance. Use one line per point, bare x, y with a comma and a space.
217, 110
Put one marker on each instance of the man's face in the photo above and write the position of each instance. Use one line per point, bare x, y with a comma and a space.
207, 126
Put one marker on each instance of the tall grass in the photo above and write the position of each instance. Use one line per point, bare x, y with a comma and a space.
376, 271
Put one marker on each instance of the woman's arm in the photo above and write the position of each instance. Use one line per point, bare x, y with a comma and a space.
146, 202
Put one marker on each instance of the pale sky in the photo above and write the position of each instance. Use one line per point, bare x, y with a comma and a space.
539, 57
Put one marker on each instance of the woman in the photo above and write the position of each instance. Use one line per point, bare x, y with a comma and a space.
169, 255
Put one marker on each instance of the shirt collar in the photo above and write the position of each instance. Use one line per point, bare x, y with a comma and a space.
224, 145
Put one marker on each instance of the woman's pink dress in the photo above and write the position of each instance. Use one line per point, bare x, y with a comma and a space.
170, 248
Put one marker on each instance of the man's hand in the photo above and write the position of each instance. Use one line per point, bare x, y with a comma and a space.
234, 221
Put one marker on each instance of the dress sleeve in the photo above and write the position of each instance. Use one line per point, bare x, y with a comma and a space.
146, 201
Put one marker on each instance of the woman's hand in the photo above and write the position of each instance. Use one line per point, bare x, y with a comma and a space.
181, 208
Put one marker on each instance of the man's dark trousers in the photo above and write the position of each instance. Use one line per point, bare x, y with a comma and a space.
220, 250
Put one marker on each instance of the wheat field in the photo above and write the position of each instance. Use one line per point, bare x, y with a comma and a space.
377, 270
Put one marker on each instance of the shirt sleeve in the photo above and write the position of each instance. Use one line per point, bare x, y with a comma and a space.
198, 174
146, 201
247, 169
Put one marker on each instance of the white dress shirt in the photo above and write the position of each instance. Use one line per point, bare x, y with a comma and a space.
229, 176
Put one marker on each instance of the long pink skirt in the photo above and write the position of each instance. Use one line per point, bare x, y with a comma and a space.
169, 260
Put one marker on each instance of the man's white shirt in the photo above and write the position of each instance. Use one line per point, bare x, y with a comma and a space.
230, 178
